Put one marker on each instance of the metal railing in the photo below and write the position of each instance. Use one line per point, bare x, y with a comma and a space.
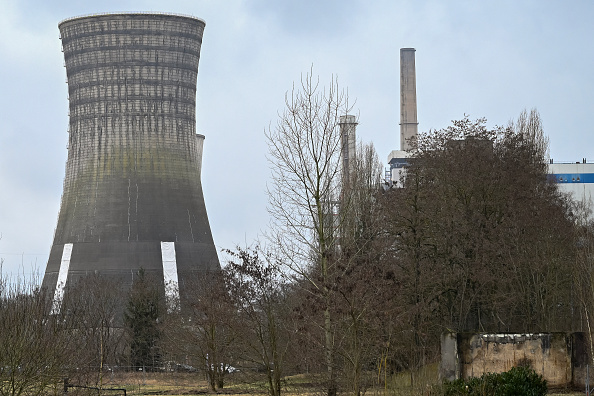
68, 385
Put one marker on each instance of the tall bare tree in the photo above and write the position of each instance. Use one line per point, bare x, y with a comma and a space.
583, 270
359, 278
304, 150
528, 125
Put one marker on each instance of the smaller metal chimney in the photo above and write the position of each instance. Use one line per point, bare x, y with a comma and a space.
348, 140
408, 98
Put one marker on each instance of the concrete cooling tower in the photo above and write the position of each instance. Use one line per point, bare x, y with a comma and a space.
132, 193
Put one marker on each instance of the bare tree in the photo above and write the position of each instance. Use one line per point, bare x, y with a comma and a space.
359, 279
529, 127
201, 333
260, 296
304, 150
34, 345
481, 238
94, 310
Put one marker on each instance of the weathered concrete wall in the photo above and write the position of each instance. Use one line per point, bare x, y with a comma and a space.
560, 358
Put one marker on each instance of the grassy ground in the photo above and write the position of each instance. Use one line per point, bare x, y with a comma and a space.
184, 384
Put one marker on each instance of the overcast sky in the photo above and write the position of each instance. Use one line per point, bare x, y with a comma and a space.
482, 58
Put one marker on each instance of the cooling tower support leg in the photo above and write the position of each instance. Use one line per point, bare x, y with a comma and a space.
62, 276
170, 275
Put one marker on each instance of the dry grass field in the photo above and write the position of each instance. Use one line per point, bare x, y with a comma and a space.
184, 384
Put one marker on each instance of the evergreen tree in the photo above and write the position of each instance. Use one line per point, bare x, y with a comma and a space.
141, 318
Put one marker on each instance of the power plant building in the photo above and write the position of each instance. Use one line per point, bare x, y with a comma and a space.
132, 192
575, 179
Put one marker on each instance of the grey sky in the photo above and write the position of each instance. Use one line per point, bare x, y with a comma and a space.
487, 58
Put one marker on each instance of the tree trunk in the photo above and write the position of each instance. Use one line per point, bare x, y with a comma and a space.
332, 388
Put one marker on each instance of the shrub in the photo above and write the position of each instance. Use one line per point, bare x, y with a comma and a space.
519, 381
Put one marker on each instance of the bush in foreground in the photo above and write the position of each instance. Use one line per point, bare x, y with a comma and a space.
519, 381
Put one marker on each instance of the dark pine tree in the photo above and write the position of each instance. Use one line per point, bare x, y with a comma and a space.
141, 318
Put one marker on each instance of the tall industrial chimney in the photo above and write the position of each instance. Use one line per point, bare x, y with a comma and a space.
132, 193
408, 98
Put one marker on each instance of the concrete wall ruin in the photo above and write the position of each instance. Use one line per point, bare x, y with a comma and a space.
561, 358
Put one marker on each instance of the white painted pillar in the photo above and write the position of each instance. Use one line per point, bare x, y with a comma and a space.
170, 275
62, 277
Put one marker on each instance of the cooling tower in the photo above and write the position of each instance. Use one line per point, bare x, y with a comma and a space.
132, 192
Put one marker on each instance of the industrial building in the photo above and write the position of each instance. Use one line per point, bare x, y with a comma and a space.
132, 192
574, 178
